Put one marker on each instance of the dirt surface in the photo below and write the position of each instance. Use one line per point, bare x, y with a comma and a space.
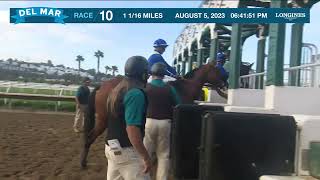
44, 146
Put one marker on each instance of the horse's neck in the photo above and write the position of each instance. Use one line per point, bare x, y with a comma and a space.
199, 77
197, 82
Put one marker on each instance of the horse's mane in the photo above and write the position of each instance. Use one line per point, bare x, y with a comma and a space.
178, 84
190, 74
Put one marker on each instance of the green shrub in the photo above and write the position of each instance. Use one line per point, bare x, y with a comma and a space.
38, 104
2, 102
3, 89
67, 106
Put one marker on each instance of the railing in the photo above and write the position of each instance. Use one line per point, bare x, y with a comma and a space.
37, 97
252, 81
16, 84
306, 75
55, 100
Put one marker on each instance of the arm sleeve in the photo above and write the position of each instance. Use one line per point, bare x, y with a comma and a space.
175, 96
134, 103
78, 93
152, 60
156, 58
223, 72
171, 71
150, 63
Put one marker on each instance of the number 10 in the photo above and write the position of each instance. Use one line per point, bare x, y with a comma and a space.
106, 15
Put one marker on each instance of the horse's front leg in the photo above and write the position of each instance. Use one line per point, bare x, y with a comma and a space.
89, 123
85, 151
89, 140
97, 127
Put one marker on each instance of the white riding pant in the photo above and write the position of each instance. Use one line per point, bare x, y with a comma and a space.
157, 140
79, 117
127, 166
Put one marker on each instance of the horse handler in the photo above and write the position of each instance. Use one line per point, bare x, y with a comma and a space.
127, 157
82, 98
162, 98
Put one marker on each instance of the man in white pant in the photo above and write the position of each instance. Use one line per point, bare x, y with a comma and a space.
81, 98
161, 100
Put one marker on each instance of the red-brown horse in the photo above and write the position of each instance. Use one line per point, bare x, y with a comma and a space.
189, 89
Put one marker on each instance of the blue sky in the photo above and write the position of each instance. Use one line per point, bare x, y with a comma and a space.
62, 43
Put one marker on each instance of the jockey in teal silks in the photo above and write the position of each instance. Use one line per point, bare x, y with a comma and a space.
160, 46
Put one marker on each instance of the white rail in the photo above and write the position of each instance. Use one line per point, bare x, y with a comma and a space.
253, 75
301, 67
55, 92
307, 79
39, 86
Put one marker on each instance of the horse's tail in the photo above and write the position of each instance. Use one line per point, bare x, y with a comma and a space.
89, 122
90, 115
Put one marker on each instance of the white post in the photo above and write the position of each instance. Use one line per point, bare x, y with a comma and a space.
317, 72
60, 94
7, 91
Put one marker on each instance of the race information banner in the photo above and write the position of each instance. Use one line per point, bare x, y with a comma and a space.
159, 15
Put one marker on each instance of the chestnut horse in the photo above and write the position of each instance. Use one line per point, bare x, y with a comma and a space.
188, 88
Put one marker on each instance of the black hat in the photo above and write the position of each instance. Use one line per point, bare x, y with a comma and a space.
86, 79
137, 67
158, 69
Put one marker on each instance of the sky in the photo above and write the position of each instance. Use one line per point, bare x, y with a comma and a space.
62, 43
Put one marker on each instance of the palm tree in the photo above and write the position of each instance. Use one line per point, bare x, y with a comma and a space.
99, 54
114, 69
79, 59
19, 65
49, 63
10, 60
92, 72
108, 69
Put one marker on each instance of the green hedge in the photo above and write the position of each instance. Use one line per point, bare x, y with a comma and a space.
38, 91
39, 105
1, 102
3, 89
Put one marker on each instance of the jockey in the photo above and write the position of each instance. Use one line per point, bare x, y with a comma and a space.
159, 48
221, 59
162, 98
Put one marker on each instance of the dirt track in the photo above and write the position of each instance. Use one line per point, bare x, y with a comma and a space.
40, 146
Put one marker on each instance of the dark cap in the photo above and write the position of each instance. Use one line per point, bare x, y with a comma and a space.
86, 79
158, 69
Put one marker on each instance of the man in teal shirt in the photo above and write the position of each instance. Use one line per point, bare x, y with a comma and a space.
81, 98
134, 103
160, 83
127, 104
161, 100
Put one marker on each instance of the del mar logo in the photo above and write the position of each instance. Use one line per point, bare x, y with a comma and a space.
21, 14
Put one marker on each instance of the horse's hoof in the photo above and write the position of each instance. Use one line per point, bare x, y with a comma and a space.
83, 165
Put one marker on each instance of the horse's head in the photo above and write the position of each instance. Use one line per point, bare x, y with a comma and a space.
214, 77
245, 68
191, 84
